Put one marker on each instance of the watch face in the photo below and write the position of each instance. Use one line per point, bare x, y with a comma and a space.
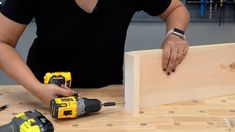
179, 31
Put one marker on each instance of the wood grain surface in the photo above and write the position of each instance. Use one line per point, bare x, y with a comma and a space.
206, 71
208, 115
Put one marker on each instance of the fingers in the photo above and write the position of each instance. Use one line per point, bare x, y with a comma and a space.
65, 92
180, 56
184, 53
174, 51
166, 58
75, 93
176, 56
172, 62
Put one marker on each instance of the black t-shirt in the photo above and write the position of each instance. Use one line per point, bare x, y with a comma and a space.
90, 46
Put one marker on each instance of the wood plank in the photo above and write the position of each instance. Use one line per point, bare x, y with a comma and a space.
132, 73
193, 116
206, 71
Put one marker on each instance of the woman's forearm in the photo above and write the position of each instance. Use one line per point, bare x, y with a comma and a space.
178, 18
15, 67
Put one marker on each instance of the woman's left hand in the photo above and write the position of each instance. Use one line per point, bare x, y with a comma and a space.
174, 51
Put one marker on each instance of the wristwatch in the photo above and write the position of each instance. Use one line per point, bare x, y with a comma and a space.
177, 32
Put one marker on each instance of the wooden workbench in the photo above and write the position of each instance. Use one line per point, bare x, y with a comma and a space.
208, 115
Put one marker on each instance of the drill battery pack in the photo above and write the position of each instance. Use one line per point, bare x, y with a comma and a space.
58, 78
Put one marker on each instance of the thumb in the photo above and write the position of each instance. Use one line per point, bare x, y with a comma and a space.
65, 92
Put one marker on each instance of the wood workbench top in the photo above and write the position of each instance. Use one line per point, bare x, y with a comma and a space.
207, 115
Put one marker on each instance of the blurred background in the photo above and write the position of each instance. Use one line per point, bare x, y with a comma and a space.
212, 22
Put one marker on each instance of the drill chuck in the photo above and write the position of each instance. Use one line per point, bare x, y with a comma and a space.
86, 106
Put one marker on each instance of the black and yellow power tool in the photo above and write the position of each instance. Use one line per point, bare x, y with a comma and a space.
58, 78
73, 107
29, 121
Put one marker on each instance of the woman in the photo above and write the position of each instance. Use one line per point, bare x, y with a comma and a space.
84, 37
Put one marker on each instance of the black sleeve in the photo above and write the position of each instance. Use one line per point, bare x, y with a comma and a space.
20, 11
153, 7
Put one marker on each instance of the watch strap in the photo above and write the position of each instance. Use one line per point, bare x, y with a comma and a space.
176, 32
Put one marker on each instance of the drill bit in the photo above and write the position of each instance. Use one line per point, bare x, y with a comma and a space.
108, 104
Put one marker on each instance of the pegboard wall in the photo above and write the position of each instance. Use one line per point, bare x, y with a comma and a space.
220, 11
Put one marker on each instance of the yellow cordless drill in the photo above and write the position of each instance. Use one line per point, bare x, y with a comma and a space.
72, 106
29, 121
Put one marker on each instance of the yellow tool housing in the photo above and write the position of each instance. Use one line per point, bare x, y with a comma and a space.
58, 78
65, 107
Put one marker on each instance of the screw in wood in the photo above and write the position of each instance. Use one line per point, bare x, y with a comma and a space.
210, 123
109, 124
202, 111
171, 111
223, 101
75, 125
177, 123
143, 124
232, 66
232, 110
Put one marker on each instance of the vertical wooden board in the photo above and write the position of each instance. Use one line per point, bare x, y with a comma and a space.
205, 72
132, 70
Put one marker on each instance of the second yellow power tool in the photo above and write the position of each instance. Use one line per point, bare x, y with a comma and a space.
29, 121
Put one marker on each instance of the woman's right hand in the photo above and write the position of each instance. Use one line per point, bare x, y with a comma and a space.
10, 32
47, 92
